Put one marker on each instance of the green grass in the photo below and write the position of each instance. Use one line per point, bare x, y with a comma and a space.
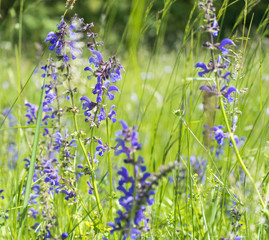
156, 82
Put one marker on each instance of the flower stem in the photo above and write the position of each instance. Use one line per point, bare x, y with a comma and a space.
91, 168
110, 171
85, 153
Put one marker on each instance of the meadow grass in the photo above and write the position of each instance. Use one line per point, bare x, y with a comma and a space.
155, 83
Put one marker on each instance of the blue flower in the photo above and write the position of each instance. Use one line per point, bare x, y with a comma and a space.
1, 191
27, 164
228, 93
238, 238
223, 43
111, 114
204, 67
90, 70
97, 59
215, 27
102, 115
34, 213
111, 89
91, 187
64, 235
69, 195
48, 235
219, 135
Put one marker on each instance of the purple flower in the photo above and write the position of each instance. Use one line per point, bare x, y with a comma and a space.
102, 115
111, 114
111, 89
34, 213
219, 135
69, 195
97, 59
204, 67
223, 43
215, 27
91, 187
27, 164
64, 235
238, 238
89, 69
1, 192
228, 93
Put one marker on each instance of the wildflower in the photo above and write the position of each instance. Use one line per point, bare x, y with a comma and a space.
64, 235
91, 188
69, 195
34, 213
206, 69
223, 43
111, 89
212, 90
1, 191
219, 135
97, 59
111, 114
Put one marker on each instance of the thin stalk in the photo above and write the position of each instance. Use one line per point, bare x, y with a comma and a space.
85, 153
90, 166
32, 163
110, 171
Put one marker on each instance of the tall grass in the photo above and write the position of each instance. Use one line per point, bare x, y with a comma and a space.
159, 92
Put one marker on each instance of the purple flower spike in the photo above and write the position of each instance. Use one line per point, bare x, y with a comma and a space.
224, 42
203, 66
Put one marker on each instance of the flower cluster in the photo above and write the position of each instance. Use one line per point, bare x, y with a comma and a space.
219, 66
107, 74
135, 189
57, 152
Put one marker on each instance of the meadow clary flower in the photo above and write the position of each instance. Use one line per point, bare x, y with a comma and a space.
1, 192
212, 90
91, 188
64, 235
111, 115
97, 59
223, 43
215, 27
219, 134
129, 136
204, 67
34, 213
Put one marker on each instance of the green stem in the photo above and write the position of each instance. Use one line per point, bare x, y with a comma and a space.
94, 185
90, 166
110, 171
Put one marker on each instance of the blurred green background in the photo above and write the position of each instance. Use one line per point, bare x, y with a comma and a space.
111, 18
